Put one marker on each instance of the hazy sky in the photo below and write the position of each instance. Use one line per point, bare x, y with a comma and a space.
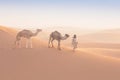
90, 14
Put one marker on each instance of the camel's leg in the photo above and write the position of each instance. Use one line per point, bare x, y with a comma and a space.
49, 42
52, 43
19, 44
31, 46
59, 48
27, 43
48, 45
16, 44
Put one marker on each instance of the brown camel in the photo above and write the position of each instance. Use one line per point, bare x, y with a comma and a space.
26, 34
56, 36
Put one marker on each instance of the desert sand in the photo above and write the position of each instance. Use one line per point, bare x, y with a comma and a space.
92, 61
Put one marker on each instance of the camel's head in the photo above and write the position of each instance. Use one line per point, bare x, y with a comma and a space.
67, 35
39, 30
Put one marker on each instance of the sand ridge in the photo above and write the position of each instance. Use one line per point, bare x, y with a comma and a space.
43, 63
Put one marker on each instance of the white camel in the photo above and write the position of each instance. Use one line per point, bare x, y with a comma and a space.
26, 34
56, 36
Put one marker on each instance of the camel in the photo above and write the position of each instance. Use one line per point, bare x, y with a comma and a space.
26, 34
56, 36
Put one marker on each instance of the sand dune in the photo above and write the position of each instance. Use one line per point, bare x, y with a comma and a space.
42, 63
11, 31
106, 36
6, 39
99, 45
51, 64
103, 52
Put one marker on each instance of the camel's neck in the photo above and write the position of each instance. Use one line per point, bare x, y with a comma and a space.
36, 33
64, 38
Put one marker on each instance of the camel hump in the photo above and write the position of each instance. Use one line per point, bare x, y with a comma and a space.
25, 30
56, 32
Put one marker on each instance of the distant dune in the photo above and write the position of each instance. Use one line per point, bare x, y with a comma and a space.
106, 36
92, 61
11, 31
6, 37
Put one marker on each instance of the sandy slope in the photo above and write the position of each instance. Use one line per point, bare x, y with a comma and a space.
103, 52
50, 64
42, 63
105, 36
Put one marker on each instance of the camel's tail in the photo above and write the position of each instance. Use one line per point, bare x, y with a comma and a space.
16, 43
49, 42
